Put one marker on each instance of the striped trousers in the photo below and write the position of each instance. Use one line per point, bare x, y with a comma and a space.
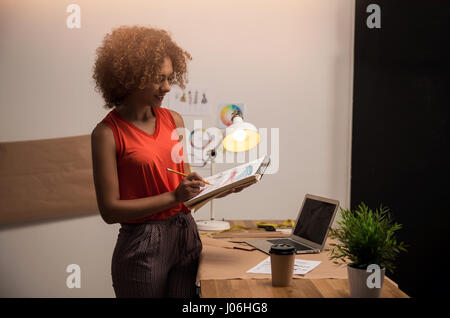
158, 258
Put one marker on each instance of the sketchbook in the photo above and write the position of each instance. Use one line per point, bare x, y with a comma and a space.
243, 175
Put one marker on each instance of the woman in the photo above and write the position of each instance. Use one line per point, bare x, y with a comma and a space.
158, 247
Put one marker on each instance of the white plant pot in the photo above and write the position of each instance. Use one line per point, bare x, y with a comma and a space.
359, 285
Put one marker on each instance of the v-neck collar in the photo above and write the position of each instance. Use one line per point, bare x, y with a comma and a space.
134, 127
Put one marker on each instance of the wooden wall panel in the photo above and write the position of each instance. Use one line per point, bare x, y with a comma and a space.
46, 179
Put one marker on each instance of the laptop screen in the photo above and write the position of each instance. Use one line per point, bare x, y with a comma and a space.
314, 220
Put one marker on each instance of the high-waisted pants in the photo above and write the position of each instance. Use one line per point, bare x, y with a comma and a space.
158, 258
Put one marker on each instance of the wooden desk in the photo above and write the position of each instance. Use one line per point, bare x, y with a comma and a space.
300, 288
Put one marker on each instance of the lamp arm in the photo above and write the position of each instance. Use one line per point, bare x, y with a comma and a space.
211, 207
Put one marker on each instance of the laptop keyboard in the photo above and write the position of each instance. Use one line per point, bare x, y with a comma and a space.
298, 246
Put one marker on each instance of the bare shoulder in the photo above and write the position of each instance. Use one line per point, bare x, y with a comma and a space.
102, 133
101, 130
177, 118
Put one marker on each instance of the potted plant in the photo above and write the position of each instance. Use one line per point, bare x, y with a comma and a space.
366, 243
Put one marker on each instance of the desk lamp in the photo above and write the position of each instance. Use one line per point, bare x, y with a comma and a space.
239, 136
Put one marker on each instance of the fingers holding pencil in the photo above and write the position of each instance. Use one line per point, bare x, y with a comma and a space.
189, 187
193, 176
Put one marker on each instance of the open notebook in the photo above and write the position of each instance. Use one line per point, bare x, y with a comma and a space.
224, 181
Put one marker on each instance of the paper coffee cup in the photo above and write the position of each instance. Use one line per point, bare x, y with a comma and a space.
282, 258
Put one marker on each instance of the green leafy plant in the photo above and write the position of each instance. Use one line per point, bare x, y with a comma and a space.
366, 237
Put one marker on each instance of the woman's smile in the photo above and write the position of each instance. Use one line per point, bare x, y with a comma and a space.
159, 97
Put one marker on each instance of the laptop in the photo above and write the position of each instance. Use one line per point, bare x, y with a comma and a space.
311, 228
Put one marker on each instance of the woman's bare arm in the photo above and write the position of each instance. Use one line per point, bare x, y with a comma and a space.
179, 124
114, 210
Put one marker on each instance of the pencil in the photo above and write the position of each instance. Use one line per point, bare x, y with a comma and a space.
183, 174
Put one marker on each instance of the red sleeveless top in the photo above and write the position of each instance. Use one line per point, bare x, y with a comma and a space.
142, 159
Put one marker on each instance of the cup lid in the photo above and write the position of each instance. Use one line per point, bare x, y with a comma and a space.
282, 249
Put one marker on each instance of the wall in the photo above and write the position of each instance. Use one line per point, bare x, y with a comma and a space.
290, 62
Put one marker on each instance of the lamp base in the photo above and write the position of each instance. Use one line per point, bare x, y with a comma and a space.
212, 225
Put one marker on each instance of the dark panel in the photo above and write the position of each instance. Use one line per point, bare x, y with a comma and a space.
400, 145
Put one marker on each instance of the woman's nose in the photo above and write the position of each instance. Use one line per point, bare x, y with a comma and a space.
165, 86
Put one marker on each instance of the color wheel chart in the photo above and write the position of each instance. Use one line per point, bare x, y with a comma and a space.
226, 111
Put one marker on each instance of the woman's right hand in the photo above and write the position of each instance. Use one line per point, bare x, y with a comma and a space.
189, 187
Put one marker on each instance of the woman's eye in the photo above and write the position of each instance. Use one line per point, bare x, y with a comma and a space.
162, 79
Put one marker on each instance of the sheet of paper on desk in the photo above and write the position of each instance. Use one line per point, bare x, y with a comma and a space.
301, 267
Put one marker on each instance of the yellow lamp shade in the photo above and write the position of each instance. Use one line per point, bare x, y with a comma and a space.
242, 140
240, 136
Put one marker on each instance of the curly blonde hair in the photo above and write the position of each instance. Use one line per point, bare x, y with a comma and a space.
130, 58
